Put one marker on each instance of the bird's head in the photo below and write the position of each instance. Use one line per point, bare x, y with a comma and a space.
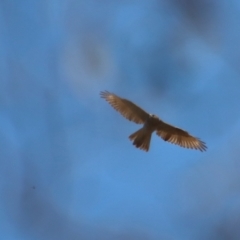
154, 116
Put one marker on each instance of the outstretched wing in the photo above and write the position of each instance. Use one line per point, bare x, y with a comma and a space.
180, 137
128, 109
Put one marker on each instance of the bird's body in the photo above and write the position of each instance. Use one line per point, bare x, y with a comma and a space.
141, 138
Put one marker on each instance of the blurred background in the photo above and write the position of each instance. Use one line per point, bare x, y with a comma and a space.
68, 169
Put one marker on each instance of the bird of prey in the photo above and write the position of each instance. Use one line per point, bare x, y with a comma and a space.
141, 138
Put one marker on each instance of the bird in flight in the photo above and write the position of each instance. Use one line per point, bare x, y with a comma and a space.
141, 138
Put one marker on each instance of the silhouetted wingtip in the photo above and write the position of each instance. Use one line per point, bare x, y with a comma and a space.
104, 94
200, 145
203, 147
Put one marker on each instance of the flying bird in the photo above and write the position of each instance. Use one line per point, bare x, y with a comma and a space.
141, 138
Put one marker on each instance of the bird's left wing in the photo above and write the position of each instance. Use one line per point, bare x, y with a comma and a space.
128, 109
180, 137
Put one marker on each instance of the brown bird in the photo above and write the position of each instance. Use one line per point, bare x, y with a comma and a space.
141, 138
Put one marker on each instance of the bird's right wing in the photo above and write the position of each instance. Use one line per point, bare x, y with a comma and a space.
128, 109
180, 137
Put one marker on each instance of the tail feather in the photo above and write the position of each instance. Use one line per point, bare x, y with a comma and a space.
141, 139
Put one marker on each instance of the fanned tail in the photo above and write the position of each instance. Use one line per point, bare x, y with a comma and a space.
141, 138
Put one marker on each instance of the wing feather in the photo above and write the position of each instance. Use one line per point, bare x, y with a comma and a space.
128, 109
180, 137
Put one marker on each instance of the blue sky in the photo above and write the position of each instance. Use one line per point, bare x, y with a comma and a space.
68, 169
